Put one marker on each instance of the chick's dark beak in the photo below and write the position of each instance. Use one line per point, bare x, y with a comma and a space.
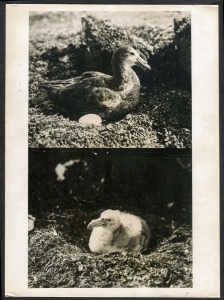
142, 64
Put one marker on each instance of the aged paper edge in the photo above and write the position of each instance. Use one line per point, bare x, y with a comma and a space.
205, 92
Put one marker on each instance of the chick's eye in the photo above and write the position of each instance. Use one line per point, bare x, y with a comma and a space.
108, 219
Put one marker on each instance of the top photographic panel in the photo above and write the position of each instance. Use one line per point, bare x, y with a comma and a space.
104, 79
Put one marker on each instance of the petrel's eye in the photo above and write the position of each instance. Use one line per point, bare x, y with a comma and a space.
132, 53
108, 219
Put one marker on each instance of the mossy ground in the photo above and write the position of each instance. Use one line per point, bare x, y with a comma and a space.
59, 257
154, 188
58, 245
163, 118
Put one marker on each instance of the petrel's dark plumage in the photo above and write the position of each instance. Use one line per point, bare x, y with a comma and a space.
111, 97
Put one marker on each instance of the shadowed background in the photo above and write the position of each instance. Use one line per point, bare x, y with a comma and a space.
155, 187
133, 180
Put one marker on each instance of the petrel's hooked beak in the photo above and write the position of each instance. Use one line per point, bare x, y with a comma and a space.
95, 223
142, 63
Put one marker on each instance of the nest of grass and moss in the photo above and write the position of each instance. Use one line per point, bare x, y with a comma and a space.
164, 113
58, 256
154, 188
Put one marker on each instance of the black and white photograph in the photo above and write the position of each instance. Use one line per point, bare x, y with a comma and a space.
110, 79
104, 219
112, 161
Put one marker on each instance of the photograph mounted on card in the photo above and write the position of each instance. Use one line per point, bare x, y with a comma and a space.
87, 214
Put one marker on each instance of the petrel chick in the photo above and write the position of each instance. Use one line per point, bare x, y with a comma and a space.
117, 231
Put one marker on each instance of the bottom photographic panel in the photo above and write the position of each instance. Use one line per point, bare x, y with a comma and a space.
109, 218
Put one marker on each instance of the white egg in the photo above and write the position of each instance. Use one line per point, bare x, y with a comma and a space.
90, 119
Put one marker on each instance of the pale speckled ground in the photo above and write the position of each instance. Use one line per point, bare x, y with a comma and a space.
57, 22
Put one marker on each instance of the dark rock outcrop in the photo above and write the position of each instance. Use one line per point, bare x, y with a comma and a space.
102, 38
168, 50
182, 41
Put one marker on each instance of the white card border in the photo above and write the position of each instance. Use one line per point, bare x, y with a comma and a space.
205, 108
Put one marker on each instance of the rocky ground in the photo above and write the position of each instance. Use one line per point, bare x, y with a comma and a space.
58, 50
